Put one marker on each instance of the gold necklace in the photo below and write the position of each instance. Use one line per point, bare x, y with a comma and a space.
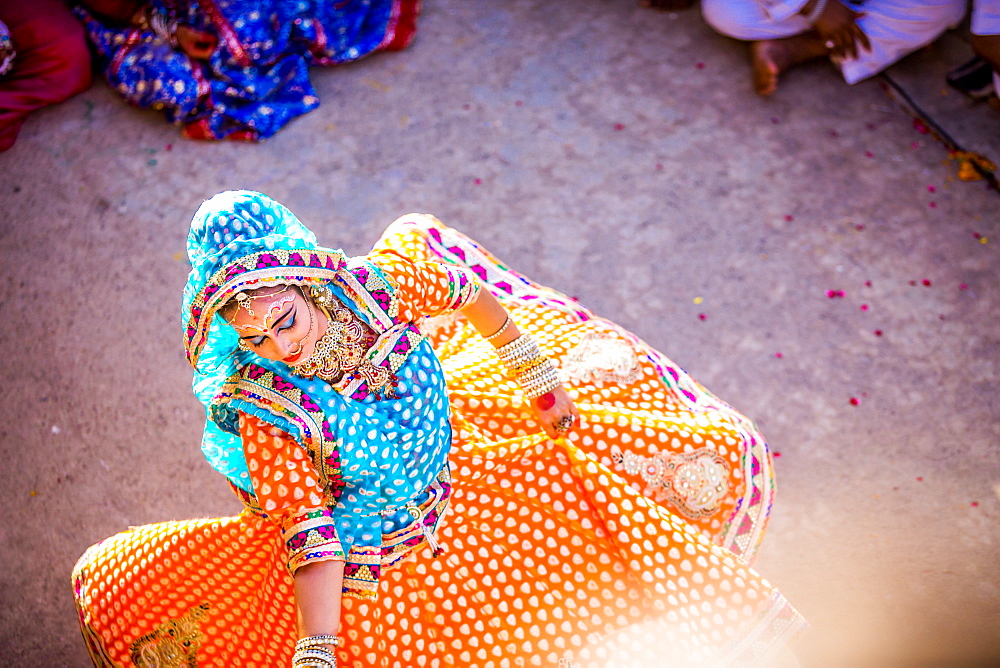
341, 350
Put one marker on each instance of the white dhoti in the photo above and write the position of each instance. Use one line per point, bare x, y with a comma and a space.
894, 27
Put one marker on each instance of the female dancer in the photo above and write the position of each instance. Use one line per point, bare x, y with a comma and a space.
601, 506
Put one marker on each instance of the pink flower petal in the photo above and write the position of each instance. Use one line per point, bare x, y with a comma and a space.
913, 283
864, 307
919, 126
855, 401
926, 282
932, 205
777, 454
702, 316
518, 103
700, 66
878, 332
931, 189
963, 286
478, 182
974, 504
869, 154
778, 355
920, 478
868, 284
789, 218
619, 126
860, 227
659, 166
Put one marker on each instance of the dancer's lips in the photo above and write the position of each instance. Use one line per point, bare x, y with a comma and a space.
292, 359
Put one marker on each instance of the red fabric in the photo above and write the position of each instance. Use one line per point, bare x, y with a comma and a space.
405, 27
52, 62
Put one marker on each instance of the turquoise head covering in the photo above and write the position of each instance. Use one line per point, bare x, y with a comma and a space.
239, 240
374, 453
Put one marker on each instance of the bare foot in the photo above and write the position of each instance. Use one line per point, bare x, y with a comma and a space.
765, 57
772, 57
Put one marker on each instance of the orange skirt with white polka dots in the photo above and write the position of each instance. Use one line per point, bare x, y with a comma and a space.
626, 544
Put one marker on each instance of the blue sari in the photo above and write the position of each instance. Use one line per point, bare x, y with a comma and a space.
257, 78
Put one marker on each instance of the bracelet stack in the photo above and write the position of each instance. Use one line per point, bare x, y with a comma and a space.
533, 371
310, 652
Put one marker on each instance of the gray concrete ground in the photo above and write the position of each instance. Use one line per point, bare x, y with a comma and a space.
620, 155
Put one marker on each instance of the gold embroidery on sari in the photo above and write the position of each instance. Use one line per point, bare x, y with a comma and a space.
601, 358
693, 482
173, 644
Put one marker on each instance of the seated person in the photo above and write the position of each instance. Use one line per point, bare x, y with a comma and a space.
862, 39
43, 60
222, 71
986, 39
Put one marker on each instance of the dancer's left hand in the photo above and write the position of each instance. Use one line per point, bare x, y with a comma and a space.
553, 407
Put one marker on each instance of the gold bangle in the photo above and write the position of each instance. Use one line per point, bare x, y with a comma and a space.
503, 328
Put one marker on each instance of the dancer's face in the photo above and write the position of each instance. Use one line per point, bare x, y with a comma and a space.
277, 323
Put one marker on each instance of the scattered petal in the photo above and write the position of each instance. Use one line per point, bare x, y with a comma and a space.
55, 429
518, 103
860, 227
868, 284
919, 126
702, 316
926, 282
977, 235
659, 166
778, 355
869, 154
941, 317
170, 147
974, 504
775, 120
698, 300
931, 189
777, 454
878, 332
855, 401
913, 283
963, 286
864, 307
466, 106
932, 205
983, 240
915, 145
619, 126
920, 478
870, 126
32, 493
478, 182
789, 217
833, 134
700, 66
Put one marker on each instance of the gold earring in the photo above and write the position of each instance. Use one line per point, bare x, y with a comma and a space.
321, 294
